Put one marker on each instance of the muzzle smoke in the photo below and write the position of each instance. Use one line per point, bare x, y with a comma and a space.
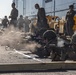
14, 39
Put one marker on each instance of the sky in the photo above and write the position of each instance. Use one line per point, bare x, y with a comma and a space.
5, 8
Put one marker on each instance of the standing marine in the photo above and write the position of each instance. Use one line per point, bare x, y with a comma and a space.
41, 18
5, 22
70, 20
13, 15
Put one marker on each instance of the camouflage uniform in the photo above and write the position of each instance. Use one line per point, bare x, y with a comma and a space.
20, 22
42, 21
5, 22
70, 21
14, 15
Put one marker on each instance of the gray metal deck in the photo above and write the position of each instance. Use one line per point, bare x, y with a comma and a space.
13, 60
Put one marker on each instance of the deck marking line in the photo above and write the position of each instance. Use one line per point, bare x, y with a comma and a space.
28, 56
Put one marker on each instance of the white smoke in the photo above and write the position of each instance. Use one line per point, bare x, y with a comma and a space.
13, 38
60, 42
